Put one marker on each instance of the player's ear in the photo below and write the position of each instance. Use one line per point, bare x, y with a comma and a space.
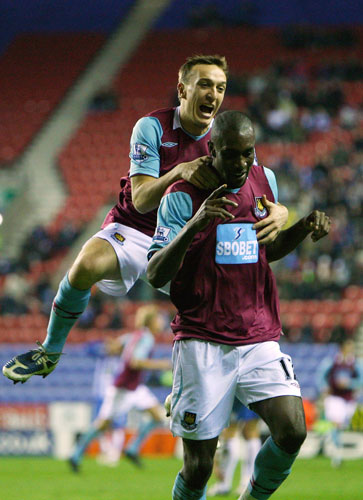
211, 148
181, 91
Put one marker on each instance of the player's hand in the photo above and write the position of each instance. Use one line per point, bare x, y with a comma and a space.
269, 228
318, 223
200, 173
211, 208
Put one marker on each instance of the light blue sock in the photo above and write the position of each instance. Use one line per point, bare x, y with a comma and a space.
143, 432
272, 466
68, 305
82, 444
335, 437
182, 492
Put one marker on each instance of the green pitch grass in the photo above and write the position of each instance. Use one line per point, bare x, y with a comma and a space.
47, 479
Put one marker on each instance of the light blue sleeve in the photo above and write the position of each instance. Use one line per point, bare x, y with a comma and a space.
174, 212
357, 383
272, 181
322, 374
144, 147
144, 347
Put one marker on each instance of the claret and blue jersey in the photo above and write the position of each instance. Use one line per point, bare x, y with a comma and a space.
158, 144
225, 290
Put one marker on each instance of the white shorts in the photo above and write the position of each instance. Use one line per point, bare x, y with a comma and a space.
119, 401
339, 410
131, 247
207, 376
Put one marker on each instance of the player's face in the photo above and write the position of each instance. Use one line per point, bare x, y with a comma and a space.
233, 155
201, 97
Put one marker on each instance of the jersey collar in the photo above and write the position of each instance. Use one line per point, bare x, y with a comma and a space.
177, 124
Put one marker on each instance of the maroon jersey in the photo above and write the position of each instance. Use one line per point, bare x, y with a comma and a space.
343, 376
136, 345
225, 290
158, 144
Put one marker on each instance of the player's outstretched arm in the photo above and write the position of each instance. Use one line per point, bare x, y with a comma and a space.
269, 228
147, 191
165, 263
151, 364
316, 223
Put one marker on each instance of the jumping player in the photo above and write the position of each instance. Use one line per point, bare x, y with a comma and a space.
227, 326
166, 145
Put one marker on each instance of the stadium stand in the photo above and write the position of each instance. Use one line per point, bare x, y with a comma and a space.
322, 296
98, 154
38, 70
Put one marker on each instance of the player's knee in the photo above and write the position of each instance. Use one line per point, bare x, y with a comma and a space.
199, 470
89, 267
83, 272
292, 438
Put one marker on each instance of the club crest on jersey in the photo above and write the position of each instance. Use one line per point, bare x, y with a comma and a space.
118, 237
260, 209
189, 420
161, 234
139, 152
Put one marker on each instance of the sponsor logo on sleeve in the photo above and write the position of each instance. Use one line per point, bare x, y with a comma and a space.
161, 234
189, 420
138, 152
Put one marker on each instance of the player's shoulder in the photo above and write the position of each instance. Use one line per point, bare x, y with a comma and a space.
162, 114
186, 187
259, 169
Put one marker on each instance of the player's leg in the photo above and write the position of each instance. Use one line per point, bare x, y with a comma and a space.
101, 423
229, 456
339, 412
97, 260
93, 432
144, 401
112, 260
285, 418
251, 435
190, 483
204, 381
268, 386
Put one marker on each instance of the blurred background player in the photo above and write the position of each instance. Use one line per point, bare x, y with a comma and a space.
127, 392
166, 145
107, 362
339, 382
231, 450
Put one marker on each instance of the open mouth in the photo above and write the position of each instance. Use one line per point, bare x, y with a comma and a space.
206, 110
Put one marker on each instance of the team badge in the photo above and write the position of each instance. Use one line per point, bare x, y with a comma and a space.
118, 237
161, 234
138, 153
189, 420
260, 209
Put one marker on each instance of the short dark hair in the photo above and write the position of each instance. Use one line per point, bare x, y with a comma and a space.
232, 120
192, 61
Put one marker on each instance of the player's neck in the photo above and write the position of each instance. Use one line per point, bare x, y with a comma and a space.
189, 125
